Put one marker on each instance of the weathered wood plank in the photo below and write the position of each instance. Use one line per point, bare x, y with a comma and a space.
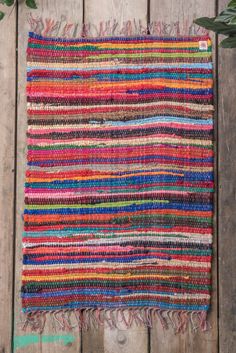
7, 138
66, 12
172, 18
98, 14
227, 192
176, 18
124, 16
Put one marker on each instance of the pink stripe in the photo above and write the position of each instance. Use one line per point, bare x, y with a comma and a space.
73, 196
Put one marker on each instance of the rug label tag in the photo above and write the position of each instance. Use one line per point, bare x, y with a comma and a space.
203, 45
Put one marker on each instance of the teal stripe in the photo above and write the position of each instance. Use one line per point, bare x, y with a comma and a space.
162, 119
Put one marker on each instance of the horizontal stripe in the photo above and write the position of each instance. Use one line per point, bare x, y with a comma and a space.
119, 182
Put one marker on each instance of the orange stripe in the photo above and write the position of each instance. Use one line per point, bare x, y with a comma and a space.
107, 217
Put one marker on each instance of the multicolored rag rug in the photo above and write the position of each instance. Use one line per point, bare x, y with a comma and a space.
119, 184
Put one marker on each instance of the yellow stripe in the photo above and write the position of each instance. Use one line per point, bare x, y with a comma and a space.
94, 276
145, 45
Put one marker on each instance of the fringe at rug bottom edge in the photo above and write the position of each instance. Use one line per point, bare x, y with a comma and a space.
90, 318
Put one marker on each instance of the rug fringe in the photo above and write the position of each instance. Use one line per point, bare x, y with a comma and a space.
68, 320
50, 27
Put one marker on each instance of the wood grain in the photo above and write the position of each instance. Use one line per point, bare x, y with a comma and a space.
115, 340
176, 18
227, 204
53, 9
173, 19
7, 136
227, 195
99, 14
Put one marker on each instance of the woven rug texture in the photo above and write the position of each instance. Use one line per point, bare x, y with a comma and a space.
119, 181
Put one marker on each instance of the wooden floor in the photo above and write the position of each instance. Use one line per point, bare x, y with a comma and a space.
169, 18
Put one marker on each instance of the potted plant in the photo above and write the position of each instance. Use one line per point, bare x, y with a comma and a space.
30, 3
224, 23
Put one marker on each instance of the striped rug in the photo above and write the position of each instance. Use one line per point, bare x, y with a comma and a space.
119, 180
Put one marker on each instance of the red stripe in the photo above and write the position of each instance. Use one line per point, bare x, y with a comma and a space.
62, 74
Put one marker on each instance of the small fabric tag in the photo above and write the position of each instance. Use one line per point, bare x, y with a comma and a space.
203, 45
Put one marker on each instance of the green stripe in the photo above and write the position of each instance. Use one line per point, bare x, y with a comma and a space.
104, 204
151, 55
110, 284
164, 216
97, 48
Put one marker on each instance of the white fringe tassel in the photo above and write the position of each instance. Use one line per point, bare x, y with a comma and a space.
50, 27
68, 320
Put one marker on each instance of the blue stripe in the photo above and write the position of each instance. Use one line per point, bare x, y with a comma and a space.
131, 208
133, 180
115, 77
172, 90
27, 261
109, 305
92, 292
119, 39
162, 119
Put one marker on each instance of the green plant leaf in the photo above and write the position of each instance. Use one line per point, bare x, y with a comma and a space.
2, 14
31, 4
233, 21
226, 16
229, 42
9, 2
218, 27
232, 3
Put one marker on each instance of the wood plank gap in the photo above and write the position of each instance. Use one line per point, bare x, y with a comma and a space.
217, 168
149, 340
227, 192
15, 181
83, 12
7, 156
148, 15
